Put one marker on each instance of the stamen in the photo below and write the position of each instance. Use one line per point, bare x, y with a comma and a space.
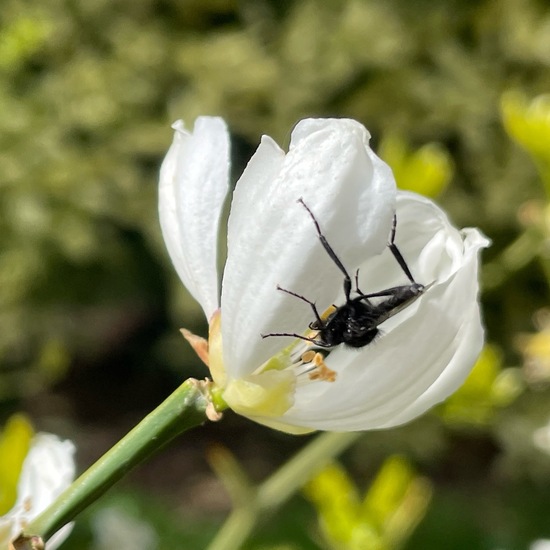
307, 357
304, 360
317, 369
321, 372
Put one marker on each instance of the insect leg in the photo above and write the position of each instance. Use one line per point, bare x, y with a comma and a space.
330, 252
396, 254
318, 343
362, 295
304, 299
357, 282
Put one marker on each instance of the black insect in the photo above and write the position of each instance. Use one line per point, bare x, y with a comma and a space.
356, 322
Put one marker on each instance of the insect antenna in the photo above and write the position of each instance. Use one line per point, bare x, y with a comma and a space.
304, 299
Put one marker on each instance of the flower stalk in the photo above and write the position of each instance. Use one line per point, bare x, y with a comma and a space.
251, 504
189, 406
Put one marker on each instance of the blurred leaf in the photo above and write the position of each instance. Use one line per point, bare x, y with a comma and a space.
487, 388
15, 442
427, 170
337, 502
392, 507
21, 38
528, 123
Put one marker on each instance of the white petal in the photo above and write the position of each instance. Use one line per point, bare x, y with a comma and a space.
426, 351
48, 470
272, 239
194, 180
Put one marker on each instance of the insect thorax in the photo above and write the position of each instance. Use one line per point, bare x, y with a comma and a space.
352, 324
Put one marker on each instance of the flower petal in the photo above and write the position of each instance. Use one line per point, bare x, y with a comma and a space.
48, 469
426, 351
272, 239
194, 180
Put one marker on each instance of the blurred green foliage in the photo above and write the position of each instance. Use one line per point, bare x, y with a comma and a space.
485, 391
88, 300
382, 520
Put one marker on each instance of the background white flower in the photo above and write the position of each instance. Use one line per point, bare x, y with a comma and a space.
48, 470
425, 352
114, 527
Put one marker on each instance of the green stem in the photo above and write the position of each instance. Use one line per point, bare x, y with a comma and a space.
236, 529
277, 489
184, 409
293, 475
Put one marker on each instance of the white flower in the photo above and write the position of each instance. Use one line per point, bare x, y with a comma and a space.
425, 351
48, 469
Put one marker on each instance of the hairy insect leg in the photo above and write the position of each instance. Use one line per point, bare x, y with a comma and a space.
330, 251
396, 254
318, 343
304, 299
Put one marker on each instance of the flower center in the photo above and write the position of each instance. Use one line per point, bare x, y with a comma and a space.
269, 390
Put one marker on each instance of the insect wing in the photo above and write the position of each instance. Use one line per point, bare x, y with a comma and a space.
410, 294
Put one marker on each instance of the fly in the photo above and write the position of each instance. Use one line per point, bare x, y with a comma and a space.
356, 322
